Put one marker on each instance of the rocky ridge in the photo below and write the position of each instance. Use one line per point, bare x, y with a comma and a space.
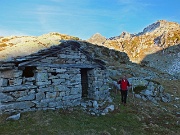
155, 37
153, 41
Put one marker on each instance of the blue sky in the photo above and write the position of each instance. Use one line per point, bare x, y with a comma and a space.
83, 18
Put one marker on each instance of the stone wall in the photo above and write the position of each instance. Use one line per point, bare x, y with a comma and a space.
38, 87
153, 91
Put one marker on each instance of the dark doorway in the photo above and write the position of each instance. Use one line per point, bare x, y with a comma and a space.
84, 81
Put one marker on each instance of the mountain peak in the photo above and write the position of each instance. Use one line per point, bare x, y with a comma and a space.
97, 39
160, 26
97, 35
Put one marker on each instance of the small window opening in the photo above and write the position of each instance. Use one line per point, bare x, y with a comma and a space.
54, 73
28, 72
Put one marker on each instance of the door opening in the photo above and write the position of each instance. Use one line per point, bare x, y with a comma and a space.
84, 81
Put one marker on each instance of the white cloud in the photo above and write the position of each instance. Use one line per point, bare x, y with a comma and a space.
133, 6
4, 32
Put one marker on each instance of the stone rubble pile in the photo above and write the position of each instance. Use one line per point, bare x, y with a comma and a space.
94, 107
153, 91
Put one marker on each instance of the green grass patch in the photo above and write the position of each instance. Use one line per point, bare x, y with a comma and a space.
77, 122
67, 122
139, 88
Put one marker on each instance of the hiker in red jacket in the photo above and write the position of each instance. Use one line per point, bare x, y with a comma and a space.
124, 88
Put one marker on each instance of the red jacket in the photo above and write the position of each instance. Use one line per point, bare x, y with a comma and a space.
124, 84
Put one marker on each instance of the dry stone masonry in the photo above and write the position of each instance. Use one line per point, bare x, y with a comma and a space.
147, 90
152, 91
58, 77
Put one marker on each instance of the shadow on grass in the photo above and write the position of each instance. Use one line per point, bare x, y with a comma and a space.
123, 120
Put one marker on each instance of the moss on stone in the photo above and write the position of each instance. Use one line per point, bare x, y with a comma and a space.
139, 88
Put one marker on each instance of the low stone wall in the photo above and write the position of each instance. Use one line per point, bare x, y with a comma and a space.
146, 89
153, 91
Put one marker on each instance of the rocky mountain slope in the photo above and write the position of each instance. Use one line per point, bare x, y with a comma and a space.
150, 46
167, 60
155, 37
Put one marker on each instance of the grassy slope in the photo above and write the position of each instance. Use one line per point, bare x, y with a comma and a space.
66, 122
135, 119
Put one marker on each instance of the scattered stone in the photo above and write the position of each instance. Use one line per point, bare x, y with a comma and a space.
14, 117
110, 107
138, 96
95, 104
178, 114
154, 92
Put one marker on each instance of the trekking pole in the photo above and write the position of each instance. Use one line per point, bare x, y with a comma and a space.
133, 92
0, 108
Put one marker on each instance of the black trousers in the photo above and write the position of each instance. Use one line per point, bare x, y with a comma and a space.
123, 96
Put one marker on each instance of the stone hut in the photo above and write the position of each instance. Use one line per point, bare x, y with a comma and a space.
59, 77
